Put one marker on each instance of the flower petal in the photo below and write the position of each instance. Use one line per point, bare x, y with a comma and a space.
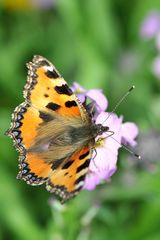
91, 180
129, 133
98, 97
81, 97
94, 178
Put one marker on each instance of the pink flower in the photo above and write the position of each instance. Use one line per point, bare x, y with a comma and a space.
156, 67
95, 95
42, 4
104, 165
104, 162
158, 41
151, 25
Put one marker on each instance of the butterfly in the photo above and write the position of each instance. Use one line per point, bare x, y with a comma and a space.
53, 132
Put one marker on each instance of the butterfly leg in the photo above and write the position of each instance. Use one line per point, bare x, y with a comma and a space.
94, 149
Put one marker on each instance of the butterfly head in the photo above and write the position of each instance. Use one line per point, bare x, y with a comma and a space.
99, 129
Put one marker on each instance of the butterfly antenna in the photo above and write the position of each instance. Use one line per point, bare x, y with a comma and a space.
123, 146
119, 102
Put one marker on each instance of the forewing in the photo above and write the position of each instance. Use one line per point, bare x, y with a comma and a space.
46, 90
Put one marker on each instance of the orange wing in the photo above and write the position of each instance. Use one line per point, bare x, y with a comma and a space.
67, 180
47, 91
46, 94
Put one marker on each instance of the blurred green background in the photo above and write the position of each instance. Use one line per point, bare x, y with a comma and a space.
99, 44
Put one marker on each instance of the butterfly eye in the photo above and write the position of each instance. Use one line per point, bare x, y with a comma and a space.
105, 129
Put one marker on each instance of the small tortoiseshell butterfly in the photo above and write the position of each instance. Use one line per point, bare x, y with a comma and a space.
53, 132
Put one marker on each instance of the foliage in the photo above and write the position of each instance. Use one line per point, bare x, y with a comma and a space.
96, 43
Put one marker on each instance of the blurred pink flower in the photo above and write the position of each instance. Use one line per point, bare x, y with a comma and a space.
156, 67
43, 4
151, 25
129, 61
104, 162
158, 41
